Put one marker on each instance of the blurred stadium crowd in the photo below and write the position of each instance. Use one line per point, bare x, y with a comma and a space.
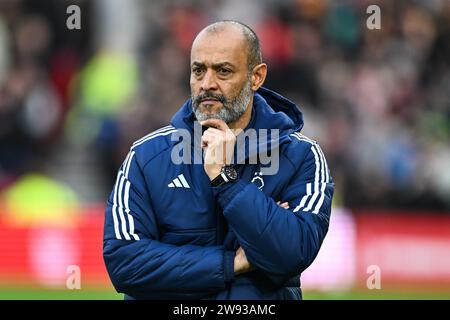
378, 101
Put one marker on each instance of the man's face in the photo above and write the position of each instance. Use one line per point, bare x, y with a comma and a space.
220, 79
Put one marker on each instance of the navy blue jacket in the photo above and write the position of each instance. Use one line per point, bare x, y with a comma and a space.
169, 235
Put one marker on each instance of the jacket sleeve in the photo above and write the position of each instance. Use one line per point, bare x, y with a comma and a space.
143, 267
282, 242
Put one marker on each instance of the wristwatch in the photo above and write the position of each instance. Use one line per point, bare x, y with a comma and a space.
227, 174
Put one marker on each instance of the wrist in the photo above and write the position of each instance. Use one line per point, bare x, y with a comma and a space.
226, 174
214, 172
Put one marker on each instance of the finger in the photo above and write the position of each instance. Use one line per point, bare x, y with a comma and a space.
242, 253
215, 135
215, 123
224, 141
284, 205
205, 140
214, 131
210, 157
227, 135
237, 131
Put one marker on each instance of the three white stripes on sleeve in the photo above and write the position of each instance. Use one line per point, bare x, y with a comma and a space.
121, 195
121, 202
321, 172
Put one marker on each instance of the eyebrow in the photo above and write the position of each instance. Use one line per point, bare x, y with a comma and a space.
215, 65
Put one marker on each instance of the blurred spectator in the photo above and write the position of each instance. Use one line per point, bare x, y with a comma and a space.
25, 96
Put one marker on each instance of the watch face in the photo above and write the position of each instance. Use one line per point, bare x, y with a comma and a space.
230, 172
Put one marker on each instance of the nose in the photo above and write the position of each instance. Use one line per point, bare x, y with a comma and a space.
209, 82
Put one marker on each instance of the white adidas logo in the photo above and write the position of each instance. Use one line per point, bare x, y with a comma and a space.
179, 182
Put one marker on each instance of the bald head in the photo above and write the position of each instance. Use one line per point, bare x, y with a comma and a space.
248, 37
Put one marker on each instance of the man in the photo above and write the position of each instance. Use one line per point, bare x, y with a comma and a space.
220, 229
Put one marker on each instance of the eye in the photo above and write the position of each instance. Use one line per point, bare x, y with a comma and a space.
197, 71
224, 71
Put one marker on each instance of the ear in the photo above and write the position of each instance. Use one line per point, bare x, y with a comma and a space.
259, 73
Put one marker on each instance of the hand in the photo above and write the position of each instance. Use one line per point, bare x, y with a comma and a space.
241, 264
284, 205
218, 143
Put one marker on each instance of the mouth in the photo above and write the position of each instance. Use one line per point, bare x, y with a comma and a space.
209, 101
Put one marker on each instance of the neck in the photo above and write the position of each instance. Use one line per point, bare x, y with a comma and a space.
243, 121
